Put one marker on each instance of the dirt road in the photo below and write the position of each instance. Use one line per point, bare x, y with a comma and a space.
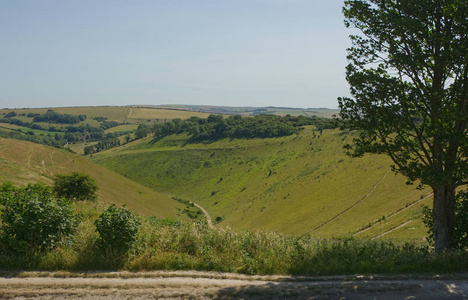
207, 215
205, 285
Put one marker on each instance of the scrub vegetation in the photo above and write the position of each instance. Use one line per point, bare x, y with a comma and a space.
158, 244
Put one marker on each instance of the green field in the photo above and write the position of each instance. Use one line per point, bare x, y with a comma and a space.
302, 183
249, 111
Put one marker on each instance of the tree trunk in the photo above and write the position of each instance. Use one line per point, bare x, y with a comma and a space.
443, 215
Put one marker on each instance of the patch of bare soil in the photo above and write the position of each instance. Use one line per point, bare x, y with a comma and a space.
205, 285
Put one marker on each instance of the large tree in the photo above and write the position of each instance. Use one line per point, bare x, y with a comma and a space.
409, 85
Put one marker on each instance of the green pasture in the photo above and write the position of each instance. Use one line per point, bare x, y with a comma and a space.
303, 183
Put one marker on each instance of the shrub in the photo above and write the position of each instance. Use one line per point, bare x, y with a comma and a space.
75, 186
11, 114
118, 228
33, 221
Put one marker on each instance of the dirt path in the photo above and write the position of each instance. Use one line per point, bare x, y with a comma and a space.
30, 156
391, 230
391, 215
207, 215
205, 285
352, 206
129, 114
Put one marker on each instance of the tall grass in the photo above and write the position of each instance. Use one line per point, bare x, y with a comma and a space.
170, 245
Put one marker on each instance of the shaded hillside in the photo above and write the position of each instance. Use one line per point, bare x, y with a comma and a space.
23, 162
302, 183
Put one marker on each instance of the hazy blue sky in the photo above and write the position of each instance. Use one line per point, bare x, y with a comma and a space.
214, 52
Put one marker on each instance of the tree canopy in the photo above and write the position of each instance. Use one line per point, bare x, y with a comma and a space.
75, 186
409, 84
261, 126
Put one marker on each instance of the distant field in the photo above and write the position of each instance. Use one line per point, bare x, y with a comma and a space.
297, 184
121, 114
122, 128
9, 126
248, 111
130, 117
149, 113
162, 114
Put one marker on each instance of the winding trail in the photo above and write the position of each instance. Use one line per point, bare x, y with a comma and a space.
352, 206
207, 215
393, 214
30, 156
129, 114
391, 230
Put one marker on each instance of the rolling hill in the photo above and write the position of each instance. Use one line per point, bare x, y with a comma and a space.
303, 183
24, 162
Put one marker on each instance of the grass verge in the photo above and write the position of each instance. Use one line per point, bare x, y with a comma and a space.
166, 245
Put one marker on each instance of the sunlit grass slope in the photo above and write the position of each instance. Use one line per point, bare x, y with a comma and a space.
23, 162
302, 183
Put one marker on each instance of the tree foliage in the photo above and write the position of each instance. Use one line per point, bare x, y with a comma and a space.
409, 81
216, 126
142, 131
54, 117
118, 228
75, 186
32, 220
102, 145
11, 114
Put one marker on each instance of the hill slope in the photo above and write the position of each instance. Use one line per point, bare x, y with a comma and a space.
302, 183
23, 162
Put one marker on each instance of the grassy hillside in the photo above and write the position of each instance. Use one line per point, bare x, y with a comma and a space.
302, 183
23, 162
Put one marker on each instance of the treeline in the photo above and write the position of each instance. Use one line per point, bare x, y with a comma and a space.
106, 144
31, 137
212, 128
261, 126
59, 136
54, 117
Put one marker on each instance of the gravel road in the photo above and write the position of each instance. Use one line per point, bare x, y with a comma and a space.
206, 285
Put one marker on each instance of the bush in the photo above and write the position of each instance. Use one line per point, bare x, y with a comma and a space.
118, 228
33, 221
11, 114
75, 186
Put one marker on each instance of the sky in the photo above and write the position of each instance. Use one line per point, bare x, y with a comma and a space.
289, 53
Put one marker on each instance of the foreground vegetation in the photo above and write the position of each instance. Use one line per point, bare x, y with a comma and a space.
23, 162
162, 244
